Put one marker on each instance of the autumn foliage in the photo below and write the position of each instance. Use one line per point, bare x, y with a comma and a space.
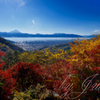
6, 81
60, 74
18, 77
25, 75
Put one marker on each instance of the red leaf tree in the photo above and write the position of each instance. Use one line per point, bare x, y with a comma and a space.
6, 81
25, 75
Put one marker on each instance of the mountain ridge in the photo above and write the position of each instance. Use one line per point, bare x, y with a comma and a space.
17, 33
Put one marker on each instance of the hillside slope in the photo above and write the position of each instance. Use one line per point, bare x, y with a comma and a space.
6, 45
64, 46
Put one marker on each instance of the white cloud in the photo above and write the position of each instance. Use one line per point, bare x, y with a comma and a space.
97, 31
33, 21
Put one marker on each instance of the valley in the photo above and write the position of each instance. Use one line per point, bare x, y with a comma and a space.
39, 45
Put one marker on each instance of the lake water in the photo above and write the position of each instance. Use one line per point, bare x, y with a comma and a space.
22, 39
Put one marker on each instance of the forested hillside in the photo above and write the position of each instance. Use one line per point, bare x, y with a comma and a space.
6, 45
64, 46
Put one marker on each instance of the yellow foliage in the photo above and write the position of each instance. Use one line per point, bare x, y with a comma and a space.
43, 57
82, 45
38, 93
21, 96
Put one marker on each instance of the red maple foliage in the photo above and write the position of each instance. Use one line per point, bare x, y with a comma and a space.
6, 81
25, 75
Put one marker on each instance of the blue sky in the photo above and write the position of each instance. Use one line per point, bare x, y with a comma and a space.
50, 16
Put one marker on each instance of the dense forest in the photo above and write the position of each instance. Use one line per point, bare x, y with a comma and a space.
52, 74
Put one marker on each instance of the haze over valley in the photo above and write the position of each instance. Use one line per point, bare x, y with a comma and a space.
31, 42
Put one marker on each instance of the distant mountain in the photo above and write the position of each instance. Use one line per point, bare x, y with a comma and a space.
16, 33
89, 36
11, 34
6, 45
59, 35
